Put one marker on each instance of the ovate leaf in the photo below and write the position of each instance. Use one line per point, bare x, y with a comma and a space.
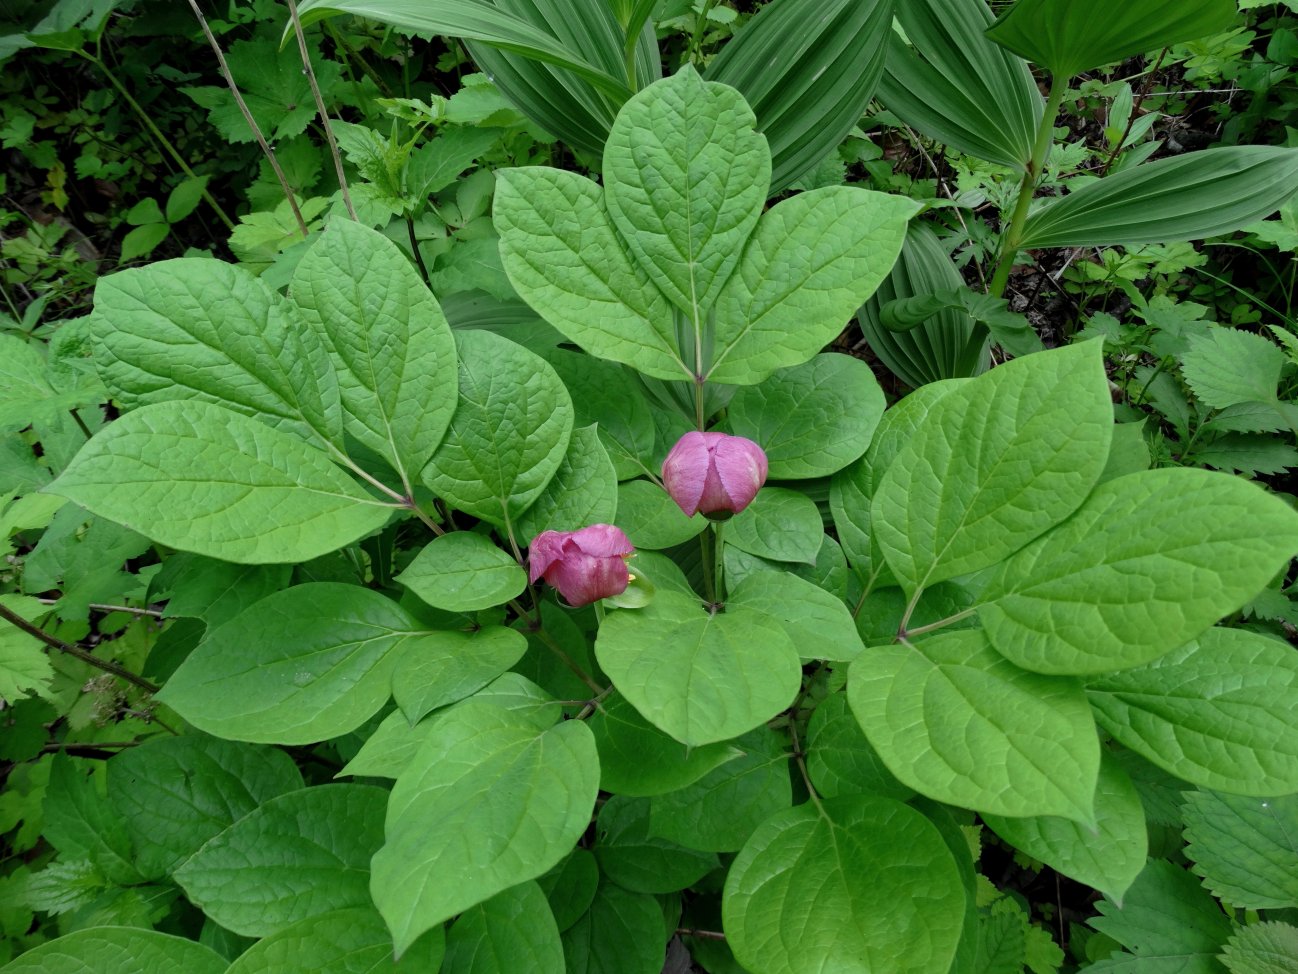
118, 950
512, 931
780, 524
895, 905
840, 758
635, 859
1245, 848
583, 490
817, 622
462, 572
202, 478
351, 940
621, 933
443, 667
1227, 367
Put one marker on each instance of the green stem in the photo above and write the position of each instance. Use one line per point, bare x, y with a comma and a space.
697, 40
709, 565
719, 560
1031, 177
161, 139
89, 659
941, 623
414, 248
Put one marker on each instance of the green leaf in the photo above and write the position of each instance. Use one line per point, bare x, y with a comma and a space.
636, 860
1009, 329
606, 394
215, 591
184, 199
1168, 922
142, 241
488, 802
176, 793
894, 905
995, 463
956, 86
82, 824
118, 950
812, 261
1109, 858
813, 419
296, 856
565, 259
463, 571
1245, 848
700, 677
637, 759
306, 664
1262, 948
439, 162
196, 328
443, 667
509, 433
719, 812
1218, 711
780, 524
202, 478
351, 940
685, 179
956, 722
651, 519
1149, 562
583, 490
1067, 40
512, 931
818, 623
24, 667
1227, 367
621, 933
389, 341
570, 887
840, 758
1187, 197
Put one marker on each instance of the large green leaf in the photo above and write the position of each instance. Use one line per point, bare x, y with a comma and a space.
892, 904
1270, 947
118, 950
1245, 848
443, 667
1198, 194
389, 341
699, 676
351, 941
813, 419
489, 801
512, 931
1068, 38
685, 179
621, 933
1149, 562
812, 261
639, 861
994, 464
509, 433
82, 825
306, 664
818, 623
1219, 711
606, 394
651, 519
196, 328
564, 258
583, 490
956, 86
462, 572
201, 478
780, 524
840, 758
956, 722
298, 855
808, 77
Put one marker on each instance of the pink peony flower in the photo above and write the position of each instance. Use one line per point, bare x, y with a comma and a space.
585, 565
712, 472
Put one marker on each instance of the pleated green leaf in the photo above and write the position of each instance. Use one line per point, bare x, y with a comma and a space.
1187, 197
892, 904
1069, 38
956, 86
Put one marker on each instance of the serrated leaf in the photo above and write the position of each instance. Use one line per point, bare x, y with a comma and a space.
817, 622
390, 344
552, 225
201, 478
1108, 858
956, 722
443, 667
1245, 848
306, 664
24, 667
118, 950
840, 758
1219, 711
489, 801
1149, 562
995, 463
462, 572
635, 859
894, 906
780, 524
813, 419
698, 676
1250, 455
1262, 948
514, 930
509, 433
685, 180
82, 824
298, 855
813, 259
583, 490
1228, 367
621, 933
351, 941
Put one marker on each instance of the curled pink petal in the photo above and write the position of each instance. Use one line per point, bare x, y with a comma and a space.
711, 472
584, 565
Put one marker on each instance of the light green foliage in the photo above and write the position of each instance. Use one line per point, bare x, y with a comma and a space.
350, 940
306, 664
215, 591
651, 518
514, 930
30, 389
298, 855
490, 799
583, 490
1228, 368
621, 933
780, 524
118, 950
24, 667
630, 855
840, 758
865, 909
440, 668
956, 722
818, 624
1245, 848
202, 478
82, 824
605, 394
462, 571
1262, 948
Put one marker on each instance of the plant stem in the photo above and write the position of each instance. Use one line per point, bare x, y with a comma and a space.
719, 559
699, 25
709, 565
801, 759
904, 633
54, 642
568, 661
81, 423
1031, 177
414, 248
101, 607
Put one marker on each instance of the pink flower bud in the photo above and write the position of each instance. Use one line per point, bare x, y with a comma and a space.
585, 565
709, 472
